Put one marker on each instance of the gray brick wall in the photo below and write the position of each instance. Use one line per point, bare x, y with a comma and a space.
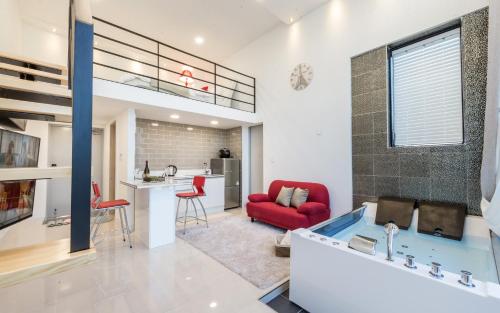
171, 143
234, 142
443, 173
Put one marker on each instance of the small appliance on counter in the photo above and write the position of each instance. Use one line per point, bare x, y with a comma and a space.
224, 153
231, 170
171, 170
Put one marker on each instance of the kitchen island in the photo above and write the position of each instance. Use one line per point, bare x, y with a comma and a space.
154, 206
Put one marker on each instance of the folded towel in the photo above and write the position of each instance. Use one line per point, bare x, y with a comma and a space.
287, 239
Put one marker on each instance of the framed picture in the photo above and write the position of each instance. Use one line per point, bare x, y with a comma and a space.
18, 150
16, 201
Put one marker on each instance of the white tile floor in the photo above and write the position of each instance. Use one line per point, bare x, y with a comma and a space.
173, 278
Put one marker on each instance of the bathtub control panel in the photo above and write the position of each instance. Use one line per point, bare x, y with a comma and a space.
436, 270
466, 279
410, 262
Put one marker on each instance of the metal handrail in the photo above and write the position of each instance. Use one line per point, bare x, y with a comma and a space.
159, 68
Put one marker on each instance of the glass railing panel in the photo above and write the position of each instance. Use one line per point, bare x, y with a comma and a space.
120, 76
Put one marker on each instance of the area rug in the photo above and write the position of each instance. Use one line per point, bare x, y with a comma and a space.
243, 247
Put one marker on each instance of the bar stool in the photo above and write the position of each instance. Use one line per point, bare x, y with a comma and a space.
103, 207
198, 191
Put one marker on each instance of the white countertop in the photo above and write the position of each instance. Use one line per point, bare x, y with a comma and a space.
139, 184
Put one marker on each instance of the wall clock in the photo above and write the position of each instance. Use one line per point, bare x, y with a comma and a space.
301, 76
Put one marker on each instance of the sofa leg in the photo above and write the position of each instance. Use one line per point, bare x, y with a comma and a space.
252, 219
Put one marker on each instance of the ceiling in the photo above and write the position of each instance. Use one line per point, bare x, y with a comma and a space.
226, 25
289, 11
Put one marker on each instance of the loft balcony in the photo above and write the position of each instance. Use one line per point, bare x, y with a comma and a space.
126, 57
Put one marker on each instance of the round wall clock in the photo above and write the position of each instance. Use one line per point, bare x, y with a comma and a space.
301, 76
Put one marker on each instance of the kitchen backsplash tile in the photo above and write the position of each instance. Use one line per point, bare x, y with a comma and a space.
172, 143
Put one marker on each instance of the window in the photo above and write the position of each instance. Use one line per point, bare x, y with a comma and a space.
426, 91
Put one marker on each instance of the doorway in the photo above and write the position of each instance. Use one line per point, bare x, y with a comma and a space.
112, 162
59, 190
256, 159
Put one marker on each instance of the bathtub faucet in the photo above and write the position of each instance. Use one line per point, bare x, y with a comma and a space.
391, 230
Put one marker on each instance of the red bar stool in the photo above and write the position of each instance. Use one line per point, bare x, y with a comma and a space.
198, 191
103, 207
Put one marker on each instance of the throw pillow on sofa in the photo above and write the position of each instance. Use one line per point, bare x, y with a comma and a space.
299, 197
285, 196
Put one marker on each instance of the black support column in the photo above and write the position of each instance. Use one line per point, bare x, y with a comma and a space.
81, 49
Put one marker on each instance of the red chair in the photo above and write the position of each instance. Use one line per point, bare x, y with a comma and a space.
103, 207
198, 191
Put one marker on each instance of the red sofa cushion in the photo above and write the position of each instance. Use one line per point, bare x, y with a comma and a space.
277, 215
317, 192
259, 197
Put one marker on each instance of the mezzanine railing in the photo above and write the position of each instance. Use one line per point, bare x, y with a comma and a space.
124, 56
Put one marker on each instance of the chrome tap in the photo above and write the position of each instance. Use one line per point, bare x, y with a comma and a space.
391, 230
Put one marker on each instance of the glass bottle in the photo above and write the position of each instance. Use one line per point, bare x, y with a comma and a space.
145, 174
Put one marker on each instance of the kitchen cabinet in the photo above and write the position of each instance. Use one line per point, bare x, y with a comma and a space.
214, 199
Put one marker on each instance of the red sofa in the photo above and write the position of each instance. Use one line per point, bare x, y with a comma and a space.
262, 207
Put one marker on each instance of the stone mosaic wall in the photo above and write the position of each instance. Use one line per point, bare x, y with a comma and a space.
442, 173
171, 143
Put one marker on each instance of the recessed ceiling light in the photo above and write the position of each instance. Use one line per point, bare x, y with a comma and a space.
199, 40
214, 122
190, 128
54, 29
291, 19
213, 304
174, 116
155, 124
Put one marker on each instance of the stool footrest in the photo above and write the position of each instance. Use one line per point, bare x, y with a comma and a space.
189, 219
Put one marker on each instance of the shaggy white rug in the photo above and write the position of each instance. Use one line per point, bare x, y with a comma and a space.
244, 247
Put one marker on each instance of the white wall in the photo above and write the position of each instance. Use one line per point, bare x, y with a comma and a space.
125, 150
40, 129
256, 161
125, 124
10, 32
22, 37
43, 45
307, 134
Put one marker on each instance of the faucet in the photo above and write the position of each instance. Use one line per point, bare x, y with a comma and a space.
391, 230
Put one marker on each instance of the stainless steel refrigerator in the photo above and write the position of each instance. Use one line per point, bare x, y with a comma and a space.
231, 169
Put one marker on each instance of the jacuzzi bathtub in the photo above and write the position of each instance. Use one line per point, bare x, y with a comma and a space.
327, 276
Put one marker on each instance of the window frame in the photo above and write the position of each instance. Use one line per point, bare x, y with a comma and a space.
390, 81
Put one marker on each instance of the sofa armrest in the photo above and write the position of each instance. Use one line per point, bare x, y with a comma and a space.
259, 197
311, 208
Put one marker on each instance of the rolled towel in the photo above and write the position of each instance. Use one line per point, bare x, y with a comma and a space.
287, 239
363, 244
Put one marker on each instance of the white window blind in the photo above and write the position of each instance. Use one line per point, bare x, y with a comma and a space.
427, 92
